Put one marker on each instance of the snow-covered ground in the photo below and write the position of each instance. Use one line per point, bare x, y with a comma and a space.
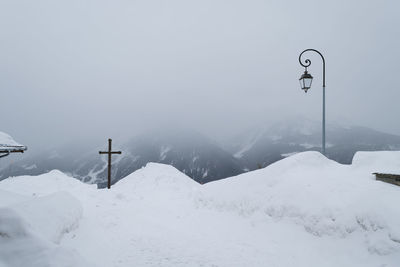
304, 210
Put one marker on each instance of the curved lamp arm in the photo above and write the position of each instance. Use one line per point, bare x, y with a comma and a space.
307, 63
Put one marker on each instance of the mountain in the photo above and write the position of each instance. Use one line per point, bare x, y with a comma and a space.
199, 157
66, 158
188, 151
264, 145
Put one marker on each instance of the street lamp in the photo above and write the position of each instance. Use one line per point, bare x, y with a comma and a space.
305, 83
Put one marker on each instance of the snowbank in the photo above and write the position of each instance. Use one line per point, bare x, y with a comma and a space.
64, 216
31, 227
157, 181
156, 175
381, 161
322, 196
8, 198
21, 246
305, 210
45, 184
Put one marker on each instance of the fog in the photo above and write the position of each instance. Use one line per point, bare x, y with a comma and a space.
96, 69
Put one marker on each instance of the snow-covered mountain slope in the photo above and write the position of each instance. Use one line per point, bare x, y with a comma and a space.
199, 157
190, 152
266, 144
305, 210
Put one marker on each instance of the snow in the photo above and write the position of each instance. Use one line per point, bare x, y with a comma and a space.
8, 143
164, 151
285, 155
31, 228
246, 147
30, 167
7, 140
381, 161
308, 146
250, 142
304, 210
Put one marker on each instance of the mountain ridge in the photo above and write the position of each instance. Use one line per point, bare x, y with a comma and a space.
202, 158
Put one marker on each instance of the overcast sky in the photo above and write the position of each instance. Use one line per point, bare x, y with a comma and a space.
77, 68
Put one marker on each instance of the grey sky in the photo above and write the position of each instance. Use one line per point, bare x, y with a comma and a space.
74, 68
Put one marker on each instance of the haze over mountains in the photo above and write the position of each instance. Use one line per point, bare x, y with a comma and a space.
265, 145
198, 156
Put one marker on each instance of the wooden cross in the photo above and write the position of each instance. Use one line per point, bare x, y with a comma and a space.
109, 152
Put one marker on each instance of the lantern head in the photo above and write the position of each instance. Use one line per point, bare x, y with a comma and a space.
305, 81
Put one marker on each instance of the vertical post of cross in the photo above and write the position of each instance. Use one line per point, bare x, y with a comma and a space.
109, 164
109, 152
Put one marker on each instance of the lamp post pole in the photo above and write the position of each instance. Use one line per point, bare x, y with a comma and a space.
306, 64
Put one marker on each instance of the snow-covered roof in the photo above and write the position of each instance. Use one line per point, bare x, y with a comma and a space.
8, 144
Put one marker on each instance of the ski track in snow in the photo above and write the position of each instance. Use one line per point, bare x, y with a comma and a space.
302, 211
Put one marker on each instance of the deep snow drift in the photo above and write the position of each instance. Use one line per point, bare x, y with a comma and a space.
304, 210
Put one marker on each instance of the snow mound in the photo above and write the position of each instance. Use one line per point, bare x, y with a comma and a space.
382, 161
31, 229
322, 196
157, 179
8, 198
64, 218
157, 174
304, 210
44, 184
